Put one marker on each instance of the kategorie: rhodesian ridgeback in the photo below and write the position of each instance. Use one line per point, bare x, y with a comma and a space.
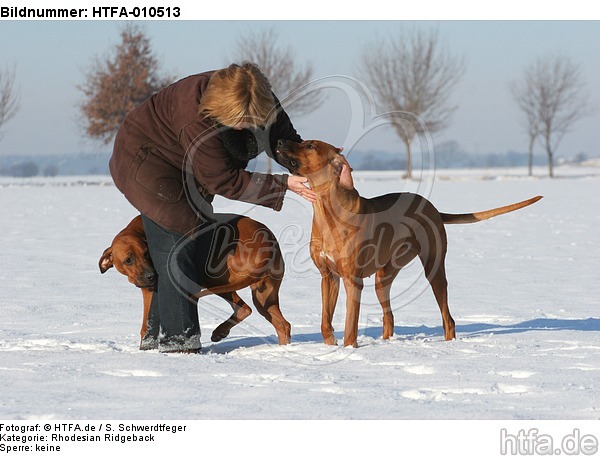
354, 237
244, 253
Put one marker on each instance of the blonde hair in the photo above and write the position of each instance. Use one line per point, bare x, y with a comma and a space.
238, 94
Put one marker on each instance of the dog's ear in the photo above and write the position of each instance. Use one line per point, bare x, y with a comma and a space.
342, 169
106, 260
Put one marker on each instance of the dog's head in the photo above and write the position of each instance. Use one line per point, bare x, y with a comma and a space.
129, 255
313, 158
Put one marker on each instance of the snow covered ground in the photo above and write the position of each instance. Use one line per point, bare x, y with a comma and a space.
524, 291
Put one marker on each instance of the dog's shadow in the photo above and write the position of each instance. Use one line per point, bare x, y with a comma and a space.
232, 343
418, 332
478, 329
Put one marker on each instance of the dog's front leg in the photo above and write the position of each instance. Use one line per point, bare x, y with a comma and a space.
147, 294
353, 286
330, 288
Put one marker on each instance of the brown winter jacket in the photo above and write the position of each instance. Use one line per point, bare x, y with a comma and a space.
165, 155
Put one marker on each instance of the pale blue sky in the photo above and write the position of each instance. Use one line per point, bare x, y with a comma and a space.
50, 57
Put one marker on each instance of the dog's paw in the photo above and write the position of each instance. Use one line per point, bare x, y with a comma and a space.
330, 341
219, 334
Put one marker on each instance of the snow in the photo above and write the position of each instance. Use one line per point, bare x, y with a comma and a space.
523, 290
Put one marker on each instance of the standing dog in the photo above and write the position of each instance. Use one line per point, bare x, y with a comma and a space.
354, 237
243, 253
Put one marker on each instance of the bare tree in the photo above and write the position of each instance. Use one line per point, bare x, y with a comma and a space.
552, 95
9, 96
282, 69
413, 74
119, 81
523, 93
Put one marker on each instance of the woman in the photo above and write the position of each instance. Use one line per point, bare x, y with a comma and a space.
195, 137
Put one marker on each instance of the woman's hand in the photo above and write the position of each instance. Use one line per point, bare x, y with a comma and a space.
297, 184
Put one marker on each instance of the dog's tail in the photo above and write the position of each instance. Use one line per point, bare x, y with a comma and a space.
473, 217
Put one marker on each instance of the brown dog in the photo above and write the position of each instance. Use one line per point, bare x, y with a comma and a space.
244, 253
355, 237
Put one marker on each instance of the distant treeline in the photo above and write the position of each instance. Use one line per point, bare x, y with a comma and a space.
54, 165
450, 155
447, 155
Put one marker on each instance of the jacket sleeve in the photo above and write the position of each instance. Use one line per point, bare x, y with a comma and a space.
215, 170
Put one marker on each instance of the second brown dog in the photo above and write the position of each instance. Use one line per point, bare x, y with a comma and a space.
244, 253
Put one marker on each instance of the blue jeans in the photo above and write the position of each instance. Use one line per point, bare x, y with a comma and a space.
173, 318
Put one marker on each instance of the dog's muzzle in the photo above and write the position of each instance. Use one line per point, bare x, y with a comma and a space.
286, 155
147, 280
